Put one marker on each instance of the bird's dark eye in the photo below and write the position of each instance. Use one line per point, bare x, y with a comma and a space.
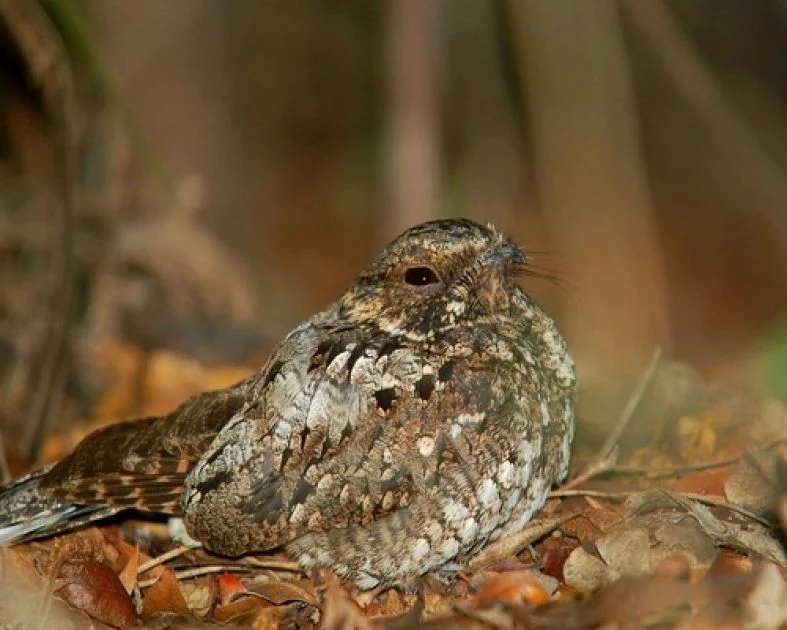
420, 276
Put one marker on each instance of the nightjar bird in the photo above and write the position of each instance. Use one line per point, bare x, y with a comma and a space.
423, 415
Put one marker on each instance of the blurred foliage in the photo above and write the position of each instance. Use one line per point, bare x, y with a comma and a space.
774, 361
238, 162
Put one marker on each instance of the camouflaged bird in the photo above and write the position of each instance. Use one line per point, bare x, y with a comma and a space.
420, 417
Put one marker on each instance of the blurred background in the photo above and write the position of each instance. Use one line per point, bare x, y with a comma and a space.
182, 182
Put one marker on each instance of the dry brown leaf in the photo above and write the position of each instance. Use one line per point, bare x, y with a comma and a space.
627, 551
516, 587
128, 574
164, 596
229, 586
93, 587
199, 598
388, 604
340, 612
697, 437
554, 552
18, 564
170, 378
677, 567
709, 482
752, 483
730, 562
285, 592
119, 365
240, 608
765, 606
586, 572
232, 603
507, 547
270, 618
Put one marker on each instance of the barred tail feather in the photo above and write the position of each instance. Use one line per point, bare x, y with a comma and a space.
26, 513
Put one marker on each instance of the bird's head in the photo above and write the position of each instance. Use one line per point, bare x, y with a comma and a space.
436, 276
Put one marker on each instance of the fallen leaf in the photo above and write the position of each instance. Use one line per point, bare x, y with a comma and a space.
285, 592
270, 618
339, 612
388, 604
586, 572
751, 484
677, 567
239, 608
697, 436
93, 587
164, 596
730, 562
554, 552
128, 575
199, 598
509, 546
766, 604
229, 586
628, 552
708, 482
517, 587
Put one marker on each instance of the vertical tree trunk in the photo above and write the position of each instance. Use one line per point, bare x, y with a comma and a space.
591, 180
413, 165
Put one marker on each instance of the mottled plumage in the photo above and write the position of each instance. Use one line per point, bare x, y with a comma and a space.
423, 415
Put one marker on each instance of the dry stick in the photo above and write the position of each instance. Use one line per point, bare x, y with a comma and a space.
258, 564
603, 461
173, 553
271, 563
596, 494
511, 545
721, 503
655, 473
699, 498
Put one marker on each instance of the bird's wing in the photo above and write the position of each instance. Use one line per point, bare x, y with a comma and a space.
143, 463
346, 436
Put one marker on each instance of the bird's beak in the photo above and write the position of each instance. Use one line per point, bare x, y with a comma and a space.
503, 253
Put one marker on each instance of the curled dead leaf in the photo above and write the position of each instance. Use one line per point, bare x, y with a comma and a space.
128, 575
229, 586
93, 587
239, 608
283, 592
164, 596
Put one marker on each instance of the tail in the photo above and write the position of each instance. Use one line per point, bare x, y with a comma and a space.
140, 464
26, 513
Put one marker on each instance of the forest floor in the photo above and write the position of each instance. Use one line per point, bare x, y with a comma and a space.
684, 528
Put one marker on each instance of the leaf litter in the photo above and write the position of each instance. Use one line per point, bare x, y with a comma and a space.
684, 528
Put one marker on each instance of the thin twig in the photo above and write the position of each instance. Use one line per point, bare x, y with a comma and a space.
164, 557
631, 406
604, 459
185, 574
272, 564
513, 544
595, 469
676, 496
721, 503
671, 471
668, 471
597, 494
